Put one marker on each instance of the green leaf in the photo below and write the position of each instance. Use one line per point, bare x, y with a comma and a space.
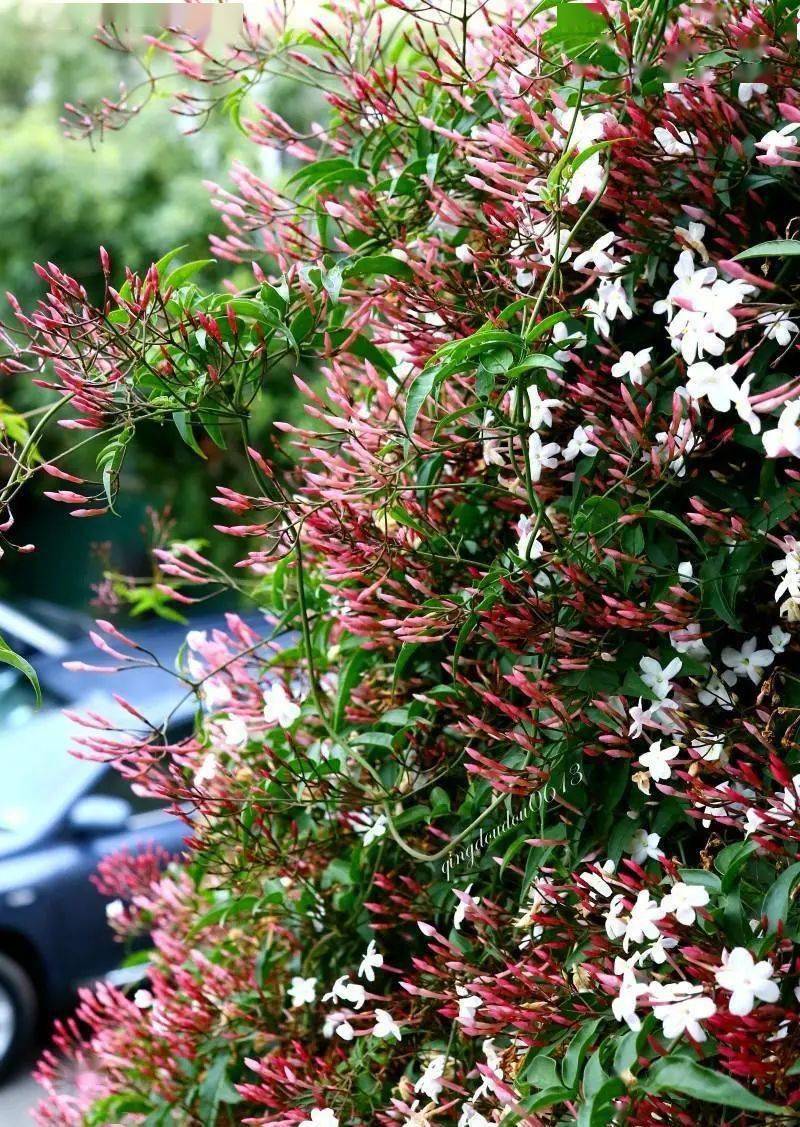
215, 1088
9, 657
776, 901
579, 1046
417, 394
183, 273
777, 248
686, 1078
349, 678
374, 264
184, 429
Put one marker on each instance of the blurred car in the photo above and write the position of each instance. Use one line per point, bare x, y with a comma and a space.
60, 816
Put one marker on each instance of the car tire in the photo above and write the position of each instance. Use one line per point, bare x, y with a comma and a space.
18, 1011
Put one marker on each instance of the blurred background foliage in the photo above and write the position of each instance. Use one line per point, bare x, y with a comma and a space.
139, 193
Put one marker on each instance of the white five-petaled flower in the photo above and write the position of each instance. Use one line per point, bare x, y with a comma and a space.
682, 900
746, 980
279, 708
785, 438
599, 255
540, 410
677, 144
715, 384
624, 1005
779, 639
632, 365
680, 1007
371, 961
386, 1026
143, 999
369, 827
320, 1116
580, 443
234, 731
430, 1082
746, 91
343, 990
657, 678
688, 640
643, 846
464, 901
779, 327
657, 760
302, 991
748, 661
529, 547
642, 921
115, 910
468, 1005
777, 141
610, 300
542, 456
207, 770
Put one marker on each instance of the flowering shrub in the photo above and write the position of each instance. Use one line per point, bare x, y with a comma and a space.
497, 818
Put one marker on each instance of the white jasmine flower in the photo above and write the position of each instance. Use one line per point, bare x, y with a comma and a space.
785, 438
716, 690
580, 443
595, 881
632, 365
528, 546
776, 141
468, 1005
541, 455
371, 961
563, 335
206, 771
677, 144
143, 999
642, 921
686, 572
748, 661
657, 953
715, 384
302, 991
688, 641
657, 760
196, 639
115, 910
540, 413
624, 1005
747, 980
343, 990
708, 747
430, 1082
599, 255
657, 678
464, 901
464, 254
779, 327
320, 1116
279, 708
779, 639
680, 1007
615, 920
643, 846
386, 1026
744, 408
746, 91
610, 301
369, 827
682, 900
234, 731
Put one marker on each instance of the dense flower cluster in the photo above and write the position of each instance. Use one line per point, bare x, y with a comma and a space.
497, 818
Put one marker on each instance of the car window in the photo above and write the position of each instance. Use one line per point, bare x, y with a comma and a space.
112, 784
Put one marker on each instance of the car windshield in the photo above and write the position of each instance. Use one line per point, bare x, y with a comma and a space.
40, 777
